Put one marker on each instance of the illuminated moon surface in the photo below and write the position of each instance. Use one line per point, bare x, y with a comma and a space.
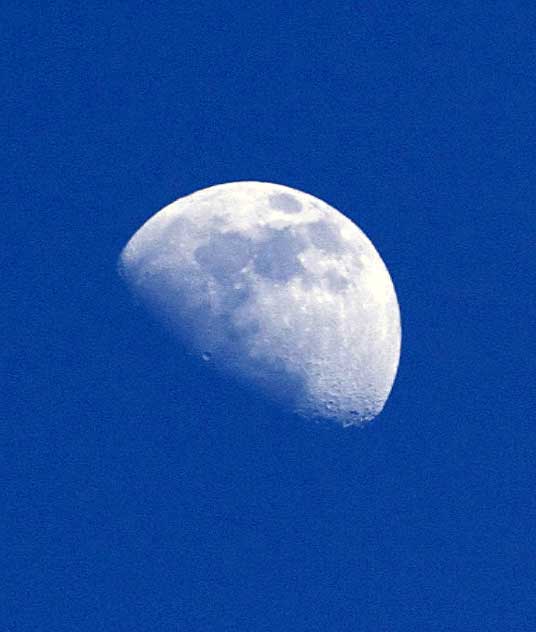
276, 289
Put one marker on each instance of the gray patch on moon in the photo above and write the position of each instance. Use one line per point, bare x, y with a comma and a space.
235, 296
325, 237
336, 282
224, 255
285, 202
277, 257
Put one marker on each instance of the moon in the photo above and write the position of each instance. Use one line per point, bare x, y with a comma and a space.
277, 289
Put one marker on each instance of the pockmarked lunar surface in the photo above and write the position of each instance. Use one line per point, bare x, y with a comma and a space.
277, 289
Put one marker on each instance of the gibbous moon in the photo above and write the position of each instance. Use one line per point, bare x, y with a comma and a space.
277, 289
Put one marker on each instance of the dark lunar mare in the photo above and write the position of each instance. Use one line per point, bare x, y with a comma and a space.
276, 256
285, 202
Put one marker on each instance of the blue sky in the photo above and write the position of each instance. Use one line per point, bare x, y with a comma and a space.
140, 492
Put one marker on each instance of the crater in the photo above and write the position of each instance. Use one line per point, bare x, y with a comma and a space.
285, 202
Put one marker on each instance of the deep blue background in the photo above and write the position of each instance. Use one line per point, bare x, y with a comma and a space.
140, 493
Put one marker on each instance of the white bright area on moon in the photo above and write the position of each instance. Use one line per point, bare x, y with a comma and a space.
277, 289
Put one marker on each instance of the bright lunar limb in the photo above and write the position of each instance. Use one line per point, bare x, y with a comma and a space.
276, 288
